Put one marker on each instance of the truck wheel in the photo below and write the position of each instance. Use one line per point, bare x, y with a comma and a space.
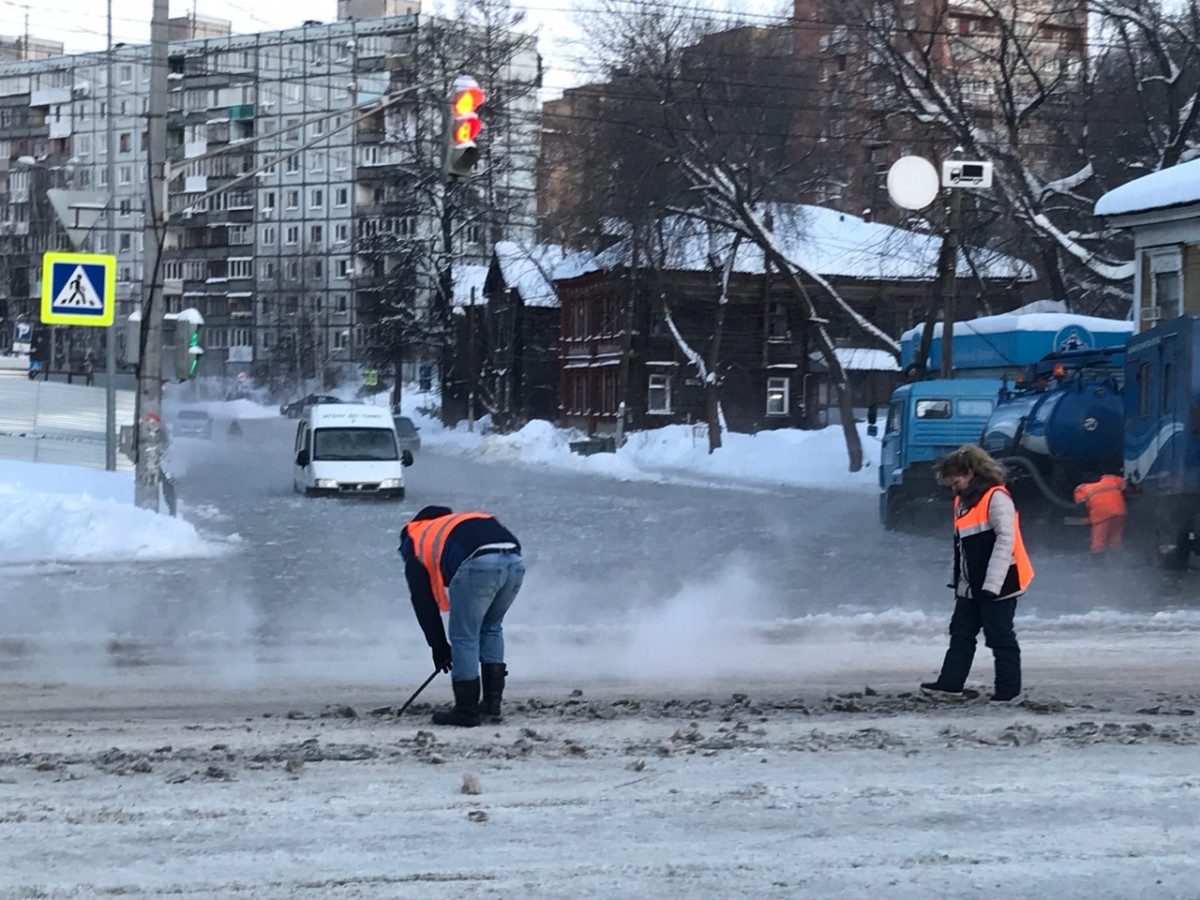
1174, 557
893, 510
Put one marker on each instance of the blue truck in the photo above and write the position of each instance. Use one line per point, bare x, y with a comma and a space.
928, 419
1162, 438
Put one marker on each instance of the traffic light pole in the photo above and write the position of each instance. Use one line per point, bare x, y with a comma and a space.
110, 338
150, 387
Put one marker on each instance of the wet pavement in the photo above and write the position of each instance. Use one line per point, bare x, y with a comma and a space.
599, 552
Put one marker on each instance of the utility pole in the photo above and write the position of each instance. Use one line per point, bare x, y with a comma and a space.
950, 283
110, 339
471, 363
627, 340
150, 425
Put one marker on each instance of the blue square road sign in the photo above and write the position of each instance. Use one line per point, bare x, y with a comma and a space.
78, 289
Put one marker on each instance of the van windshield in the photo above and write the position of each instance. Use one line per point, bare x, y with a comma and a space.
354, 444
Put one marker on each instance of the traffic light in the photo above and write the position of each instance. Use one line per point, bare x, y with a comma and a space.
187, 348
462, 127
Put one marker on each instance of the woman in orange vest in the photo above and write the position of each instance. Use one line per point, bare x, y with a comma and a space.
991, 570
468, 566
1102, 499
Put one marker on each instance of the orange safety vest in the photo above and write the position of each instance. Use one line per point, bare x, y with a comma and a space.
429, 539
974, 524
1104, 498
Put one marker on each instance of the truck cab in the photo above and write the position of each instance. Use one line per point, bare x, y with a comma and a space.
927, 420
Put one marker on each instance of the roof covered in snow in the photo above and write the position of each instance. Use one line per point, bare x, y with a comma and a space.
1176, 186
866, 359
822, 241
1033, 321
467, 278
528, 269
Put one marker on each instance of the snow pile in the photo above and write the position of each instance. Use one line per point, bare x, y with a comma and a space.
63, 513
674, 453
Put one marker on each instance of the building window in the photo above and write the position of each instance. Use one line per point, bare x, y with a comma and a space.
316, 199
268, 234
291, 165
341, 233
658, 395
1166, 287
293, 269
341, 197
340, 304
778, 396
293, 199
316, 234
292, 235
124, 206
125, 175
241, 268
342, 268
125, 242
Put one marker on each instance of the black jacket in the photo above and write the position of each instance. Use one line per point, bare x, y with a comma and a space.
464, 539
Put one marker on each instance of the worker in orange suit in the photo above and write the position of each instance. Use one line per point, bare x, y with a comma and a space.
1101, 499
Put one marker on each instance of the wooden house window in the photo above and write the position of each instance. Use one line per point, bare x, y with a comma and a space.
658, 395
778, 396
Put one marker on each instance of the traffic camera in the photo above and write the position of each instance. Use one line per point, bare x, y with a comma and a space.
462, 127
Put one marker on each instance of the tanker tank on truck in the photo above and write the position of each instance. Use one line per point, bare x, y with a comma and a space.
1062, 421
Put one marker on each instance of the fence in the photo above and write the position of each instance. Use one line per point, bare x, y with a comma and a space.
58, 423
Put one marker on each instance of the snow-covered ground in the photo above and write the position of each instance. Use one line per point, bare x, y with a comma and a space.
52, 513
748, 789
675, 453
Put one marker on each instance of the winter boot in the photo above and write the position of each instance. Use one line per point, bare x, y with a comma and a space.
493, 688
465, 712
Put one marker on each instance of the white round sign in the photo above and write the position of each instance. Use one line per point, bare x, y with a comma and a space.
912, 182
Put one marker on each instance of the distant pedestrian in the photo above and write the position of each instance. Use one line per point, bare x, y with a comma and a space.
1101, 498
991, 570
468, 566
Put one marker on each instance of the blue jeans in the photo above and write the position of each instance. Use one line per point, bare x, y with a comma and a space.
482, 590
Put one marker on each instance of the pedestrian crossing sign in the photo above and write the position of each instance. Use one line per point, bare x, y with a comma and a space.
78, 288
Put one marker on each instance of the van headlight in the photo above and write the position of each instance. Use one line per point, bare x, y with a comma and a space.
390, 483
327, 483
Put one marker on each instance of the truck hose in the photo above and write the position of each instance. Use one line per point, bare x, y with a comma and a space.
1029, 467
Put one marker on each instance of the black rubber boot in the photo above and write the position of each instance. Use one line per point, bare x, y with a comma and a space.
493, 688
465, 712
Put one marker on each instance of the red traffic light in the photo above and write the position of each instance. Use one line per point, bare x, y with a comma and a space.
467, 100
467, 129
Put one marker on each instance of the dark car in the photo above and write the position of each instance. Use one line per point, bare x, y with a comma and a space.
296, 408
192, 423
406, 433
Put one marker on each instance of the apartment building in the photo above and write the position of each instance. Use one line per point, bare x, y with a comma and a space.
284, 154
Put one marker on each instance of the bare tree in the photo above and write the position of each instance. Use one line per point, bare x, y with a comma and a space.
718, 136
1011, 82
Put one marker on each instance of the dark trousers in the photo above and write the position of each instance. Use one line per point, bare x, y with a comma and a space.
995, 617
